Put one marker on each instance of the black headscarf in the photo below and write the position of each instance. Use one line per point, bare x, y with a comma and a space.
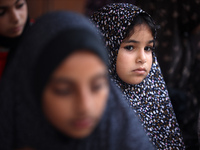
10, 44
50, 40
149, 99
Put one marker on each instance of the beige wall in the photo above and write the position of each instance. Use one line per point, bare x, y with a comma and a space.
38, 7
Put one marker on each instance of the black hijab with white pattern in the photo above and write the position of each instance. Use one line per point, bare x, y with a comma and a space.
149, 99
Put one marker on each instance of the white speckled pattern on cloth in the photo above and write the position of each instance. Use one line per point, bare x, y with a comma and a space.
149, 99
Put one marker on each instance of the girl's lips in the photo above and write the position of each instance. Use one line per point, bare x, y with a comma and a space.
83, 123
16, 29
140, 71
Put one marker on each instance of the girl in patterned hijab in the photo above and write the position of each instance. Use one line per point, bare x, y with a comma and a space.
130, 38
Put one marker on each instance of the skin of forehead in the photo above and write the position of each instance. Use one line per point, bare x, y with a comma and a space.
8, 3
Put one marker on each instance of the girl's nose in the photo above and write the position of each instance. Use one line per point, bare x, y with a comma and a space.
141, 56
14, 16
84, 101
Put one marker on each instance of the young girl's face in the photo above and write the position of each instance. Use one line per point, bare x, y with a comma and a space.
75, 98
134, 58
13, 16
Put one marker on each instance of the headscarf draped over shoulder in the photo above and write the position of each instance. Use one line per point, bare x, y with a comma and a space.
149, 99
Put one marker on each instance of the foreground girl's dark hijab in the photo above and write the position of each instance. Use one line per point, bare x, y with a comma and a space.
51, 39
149, 99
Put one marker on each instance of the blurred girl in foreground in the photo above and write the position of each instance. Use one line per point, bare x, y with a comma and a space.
60, 96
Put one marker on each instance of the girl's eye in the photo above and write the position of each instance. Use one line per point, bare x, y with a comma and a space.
129, 48
20, 5
62, 92
97, 87
149, 48
2, 12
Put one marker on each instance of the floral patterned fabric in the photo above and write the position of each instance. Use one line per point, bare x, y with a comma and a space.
95, 5
149, 99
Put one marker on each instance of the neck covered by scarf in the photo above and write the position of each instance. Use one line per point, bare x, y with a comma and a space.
149, 99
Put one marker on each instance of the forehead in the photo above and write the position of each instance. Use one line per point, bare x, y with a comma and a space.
141, 29
79, 64
8, 2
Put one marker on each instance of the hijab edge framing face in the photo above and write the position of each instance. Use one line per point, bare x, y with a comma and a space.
119, 33
92, 108
75, 99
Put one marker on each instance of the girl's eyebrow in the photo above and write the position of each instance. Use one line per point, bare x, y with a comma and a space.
99, 76
62, 80
134, 41
70, 82
151, 41
17, 1
5, 7
131, 41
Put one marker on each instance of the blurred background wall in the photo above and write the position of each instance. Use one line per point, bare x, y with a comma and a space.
38, 7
